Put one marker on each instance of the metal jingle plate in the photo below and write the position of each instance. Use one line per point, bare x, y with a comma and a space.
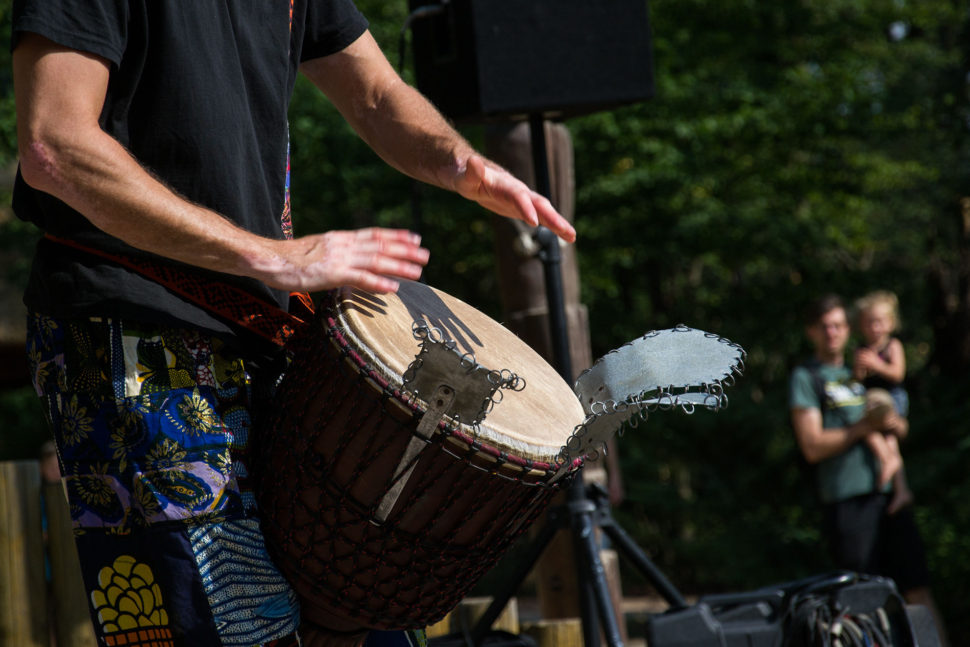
661, 365
680, 367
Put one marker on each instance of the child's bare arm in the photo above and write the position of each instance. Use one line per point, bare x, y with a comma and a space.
869, 362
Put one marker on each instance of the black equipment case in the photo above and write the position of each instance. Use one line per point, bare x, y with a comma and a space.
840, 609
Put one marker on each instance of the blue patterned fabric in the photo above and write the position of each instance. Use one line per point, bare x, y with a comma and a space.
152, 427
231, 558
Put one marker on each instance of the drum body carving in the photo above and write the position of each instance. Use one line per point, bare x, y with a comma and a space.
334, 452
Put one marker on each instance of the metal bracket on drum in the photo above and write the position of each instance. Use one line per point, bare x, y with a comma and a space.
438, 407
459, 388
439, 362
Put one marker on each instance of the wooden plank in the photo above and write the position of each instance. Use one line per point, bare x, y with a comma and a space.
564, 632
440, 628
463, 618
69, 604
471, 609
23, 587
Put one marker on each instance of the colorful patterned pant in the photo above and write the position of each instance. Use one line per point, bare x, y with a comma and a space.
152, 429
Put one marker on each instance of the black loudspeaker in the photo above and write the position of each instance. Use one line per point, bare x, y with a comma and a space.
487, 60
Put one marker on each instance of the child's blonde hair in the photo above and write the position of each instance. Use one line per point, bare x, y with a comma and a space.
879, 297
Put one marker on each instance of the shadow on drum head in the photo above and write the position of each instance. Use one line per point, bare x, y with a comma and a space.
366, 304
424, 304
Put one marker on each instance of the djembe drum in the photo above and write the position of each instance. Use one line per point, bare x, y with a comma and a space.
414, 440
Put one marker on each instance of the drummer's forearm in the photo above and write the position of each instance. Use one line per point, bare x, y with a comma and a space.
408, 133
392, 117
117, 195
411, 135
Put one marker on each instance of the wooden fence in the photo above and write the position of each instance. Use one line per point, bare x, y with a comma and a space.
42, 600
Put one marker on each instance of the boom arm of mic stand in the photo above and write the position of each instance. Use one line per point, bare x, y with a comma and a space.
551, 257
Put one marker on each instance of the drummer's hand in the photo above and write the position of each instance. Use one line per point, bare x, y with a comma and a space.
498, 190
371, 259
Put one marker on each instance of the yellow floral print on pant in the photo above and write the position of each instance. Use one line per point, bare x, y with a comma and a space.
129, 605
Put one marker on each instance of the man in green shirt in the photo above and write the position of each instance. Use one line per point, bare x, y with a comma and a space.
828, 415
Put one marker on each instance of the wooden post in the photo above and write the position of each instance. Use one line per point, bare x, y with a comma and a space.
522, 286
69, 603
23, 589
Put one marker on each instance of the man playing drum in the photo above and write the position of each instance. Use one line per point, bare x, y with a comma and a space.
157, 130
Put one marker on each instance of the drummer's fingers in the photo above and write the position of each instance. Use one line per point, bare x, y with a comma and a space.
498, 190
391, 266
388, 235
392, 244
535, 209
375, 265
366, 280
522, 200
359, 278
505, 194
552, 219
405, 252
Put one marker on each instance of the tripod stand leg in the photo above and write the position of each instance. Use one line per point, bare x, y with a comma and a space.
587, 608
592, 574
628, 547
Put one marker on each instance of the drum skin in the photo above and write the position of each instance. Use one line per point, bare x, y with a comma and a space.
340, 427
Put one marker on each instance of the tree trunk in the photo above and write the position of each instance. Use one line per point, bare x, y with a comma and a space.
949, 287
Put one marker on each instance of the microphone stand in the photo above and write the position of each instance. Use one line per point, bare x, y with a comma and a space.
581, 514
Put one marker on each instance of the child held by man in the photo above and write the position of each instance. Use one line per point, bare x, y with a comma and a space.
880, 364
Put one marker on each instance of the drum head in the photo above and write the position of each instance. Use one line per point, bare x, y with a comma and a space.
533, 423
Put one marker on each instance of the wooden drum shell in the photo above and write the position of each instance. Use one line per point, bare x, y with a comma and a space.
328, 460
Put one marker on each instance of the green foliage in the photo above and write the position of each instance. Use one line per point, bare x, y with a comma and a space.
792, 149
8, 116
767, 164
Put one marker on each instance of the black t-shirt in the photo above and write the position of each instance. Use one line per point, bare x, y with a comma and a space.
198, 93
